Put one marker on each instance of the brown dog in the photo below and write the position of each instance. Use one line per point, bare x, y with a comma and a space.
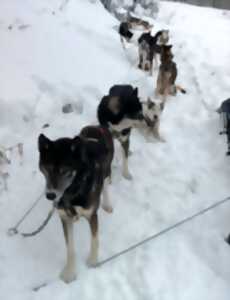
167, 74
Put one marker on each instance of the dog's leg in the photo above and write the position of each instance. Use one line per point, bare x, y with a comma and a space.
147, 66
144, 61
93, 256
105, 200
140, 65
165, 92
140, 61
122, 42
150, 68
158, 85
69, 272
156, 62
125, 154
228, 139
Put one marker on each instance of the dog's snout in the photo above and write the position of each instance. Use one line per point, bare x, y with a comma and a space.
155, 117
51, 196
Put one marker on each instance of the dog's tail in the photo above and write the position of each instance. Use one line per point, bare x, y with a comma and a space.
182, 90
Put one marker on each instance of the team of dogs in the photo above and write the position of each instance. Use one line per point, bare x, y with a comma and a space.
78, 170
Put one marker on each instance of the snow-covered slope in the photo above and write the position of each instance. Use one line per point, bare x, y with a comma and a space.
50, 57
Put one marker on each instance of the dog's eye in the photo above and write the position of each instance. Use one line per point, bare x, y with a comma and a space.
64, 171
67, 172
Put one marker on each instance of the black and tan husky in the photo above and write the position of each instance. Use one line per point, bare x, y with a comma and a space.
166, 80
76, 171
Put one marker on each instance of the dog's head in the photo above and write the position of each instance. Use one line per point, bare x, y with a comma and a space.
152, 112
163, 37
59, 162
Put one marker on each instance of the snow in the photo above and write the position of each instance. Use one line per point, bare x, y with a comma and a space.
51, 58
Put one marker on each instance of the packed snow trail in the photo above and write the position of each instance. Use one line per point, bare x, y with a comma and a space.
74, 56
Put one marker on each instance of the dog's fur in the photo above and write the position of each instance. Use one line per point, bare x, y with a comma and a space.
149, 46
125, 33
224, 112
125, 28
122, 110
76, 173
166, 80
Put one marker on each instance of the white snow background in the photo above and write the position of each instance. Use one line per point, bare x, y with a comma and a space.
50, 57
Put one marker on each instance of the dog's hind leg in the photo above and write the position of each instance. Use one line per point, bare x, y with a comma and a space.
228, 138
155, 62
140, 65
158, 89
94, 245
69, 272
105, 199
125, 154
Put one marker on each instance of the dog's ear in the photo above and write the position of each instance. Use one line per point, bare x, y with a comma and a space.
43, 143
135, 91
150, 103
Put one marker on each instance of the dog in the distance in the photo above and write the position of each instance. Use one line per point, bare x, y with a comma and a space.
122, 110
224, 111
126, 28
228, 239
166, 80
149, 47
77, 171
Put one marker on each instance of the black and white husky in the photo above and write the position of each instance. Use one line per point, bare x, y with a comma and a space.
122, 110
76, 173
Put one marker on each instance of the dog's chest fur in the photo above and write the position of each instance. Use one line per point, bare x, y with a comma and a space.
79, 212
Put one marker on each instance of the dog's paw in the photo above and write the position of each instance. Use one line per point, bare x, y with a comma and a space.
68, 275
92, 262
107, 208
127, 176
